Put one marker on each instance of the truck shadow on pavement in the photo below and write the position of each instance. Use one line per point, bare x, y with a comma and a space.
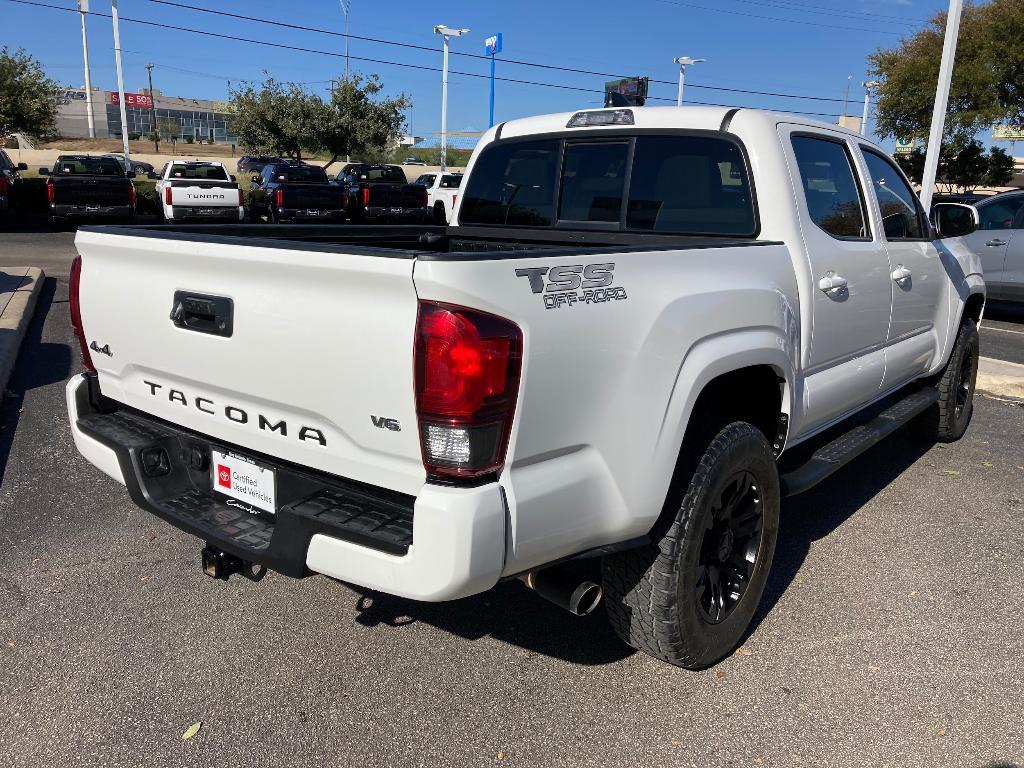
39, 364
513, 614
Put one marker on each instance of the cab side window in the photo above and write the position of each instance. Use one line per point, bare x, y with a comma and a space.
833, 196
902, 214
1000, 214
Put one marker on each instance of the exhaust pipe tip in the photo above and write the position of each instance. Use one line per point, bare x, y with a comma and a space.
559, 586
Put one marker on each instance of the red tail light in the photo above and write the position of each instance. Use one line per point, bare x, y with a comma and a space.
5, 185
426, 197
279, 198
76, 313
467, 381
167, 196
366, 195
454, 198
131, 193
49, 191
241, 197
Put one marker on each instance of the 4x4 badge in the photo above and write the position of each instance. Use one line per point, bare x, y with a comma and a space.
104, 350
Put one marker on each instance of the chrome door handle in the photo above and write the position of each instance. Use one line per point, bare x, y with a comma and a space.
995, 243
832, 283
900, 274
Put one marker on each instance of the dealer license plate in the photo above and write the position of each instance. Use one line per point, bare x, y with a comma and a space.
244, 480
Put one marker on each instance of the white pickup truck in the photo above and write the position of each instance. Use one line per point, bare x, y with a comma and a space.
442, 194
644, 328
196, 190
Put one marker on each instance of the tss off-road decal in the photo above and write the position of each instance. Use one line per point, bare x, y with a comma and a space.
567, 286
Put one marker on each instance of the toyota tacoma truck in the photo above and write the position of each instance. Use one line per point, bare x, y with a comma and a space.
198, 191
643, 329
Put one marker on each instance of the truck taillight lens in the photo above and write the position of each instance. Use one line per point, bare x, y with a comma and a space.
454, 198
76, 313
279, 198
5, 185
49, 192
426, 197
366, 195
167, 196
241, 197
131, 193
467, 380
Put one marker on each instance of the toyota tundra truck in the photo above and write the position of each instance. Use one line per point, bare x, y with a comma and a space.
642, 330
196, 190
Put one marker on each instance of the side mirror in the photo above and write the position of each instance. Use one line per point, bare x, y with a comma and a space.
153, 175
955, 219
44, 171
255, 179
21, 166
233, 177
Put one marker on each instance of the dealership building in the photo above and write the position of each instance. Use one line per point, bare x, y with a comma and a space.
174, 116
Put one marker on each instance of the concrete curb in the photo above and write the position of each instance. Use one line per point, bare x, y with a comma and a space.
19, 289
998, 377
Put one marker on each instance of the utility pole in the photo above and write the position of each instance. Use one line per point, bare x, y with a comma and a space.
120, 86
684, 62
868, 86
445, 32
846, 97
152, 101
931, 159
346, 6
83, 9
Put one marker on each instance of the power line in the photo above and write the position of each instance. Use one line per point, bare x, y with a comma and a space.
790, 5
776, 18
320, 30
385, 62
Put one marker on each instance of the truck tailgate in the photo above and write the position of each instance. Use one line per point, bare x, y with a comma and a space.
321, 196
318, 363
204, 195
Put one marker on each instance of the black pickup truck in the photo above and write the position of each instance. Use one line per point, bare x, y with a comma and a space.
380, 194
10, 181
286, 192
84, 187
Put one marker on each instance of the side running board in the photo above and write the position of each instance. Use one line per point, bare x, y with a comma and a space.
849, 445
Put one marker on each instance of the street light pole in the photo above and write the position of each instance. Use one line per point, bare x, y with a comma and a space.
445, 32
868, 86
931, 159
346, 6
120, 86
684, 62
83, 9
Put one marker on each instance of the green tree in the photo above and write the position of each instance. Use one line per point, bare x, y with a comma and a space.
28, 98
357, 121
1000, 168
988, 77
277, 118
963, 166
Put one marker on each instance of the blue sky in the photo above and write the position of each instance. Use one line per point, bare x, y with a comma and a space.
784, 46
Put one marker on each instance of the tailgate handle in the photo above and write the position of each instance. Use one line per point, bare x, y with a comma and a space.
203, 313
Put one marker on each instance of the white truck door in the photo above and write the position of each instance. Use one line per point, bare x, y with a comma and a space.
919, 281
850, 277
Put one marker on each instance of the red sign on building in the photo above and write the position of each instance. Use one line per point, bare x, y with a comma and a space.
133, 100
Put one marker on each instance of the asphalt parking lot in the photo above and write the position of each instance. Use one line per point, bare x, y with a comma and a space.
889, 634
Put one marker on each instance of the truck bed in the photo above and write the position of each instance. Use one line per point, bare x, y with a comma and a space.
426, 242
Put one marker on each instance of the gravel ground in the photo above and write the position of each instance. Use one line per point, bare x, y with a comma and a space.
889, 635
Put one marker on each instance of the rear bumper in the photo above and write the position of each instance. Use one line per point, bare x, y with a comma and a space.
187, 213
307, 214
91, 211
385, 214
446, 543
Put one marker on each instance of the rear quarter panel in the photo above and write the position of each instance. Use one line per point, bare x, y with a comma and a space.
608, 387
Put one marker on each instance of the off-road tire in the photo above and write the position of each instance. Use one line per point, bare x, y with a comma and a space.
948, 419
650, 591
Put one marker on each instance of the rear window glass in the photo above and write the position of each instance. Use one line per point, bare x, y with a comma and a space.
385, 174
310, 173
198, 171
513, 184
689, 185
451, 181
593, 179
89, 166
830, 187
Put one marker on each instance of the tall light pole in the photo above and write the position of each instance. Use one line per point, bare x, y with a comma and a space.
346, 6
684, 62
83, 9
846, 96
120, 85
445, 32
931, 159
868, 86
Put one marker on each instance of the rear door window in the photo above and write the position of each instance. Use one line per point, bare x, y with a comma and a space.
690, 185
593, 181
833, 197
513, 184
